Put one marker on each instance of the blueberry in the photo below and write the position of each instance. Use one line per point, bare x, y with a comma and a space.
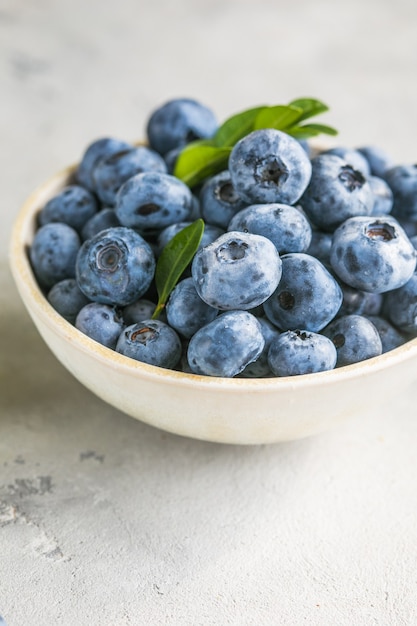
269, 166
403, 182
353, 157
140, 310
353, 300
106, 218
100, 322
99, 149
379, 161
372, 254
227, 345
152, 342
320, 245
373, 304
236, 271
182, 365
305, 146
210, 234
53, 253
166, 234
219, 200
355, 338
335, 193
400, 306
74, 205
153, 200
286, 226
171, 157
359, 302
196, 209
111, 172
391, 338
409, 227
186, 311
260, 368
301, 352
115, 267
67, 299
307, 296
383, 196
179, 122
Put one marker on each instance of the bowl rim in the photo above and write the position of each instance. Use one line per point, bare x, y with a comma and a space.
30, 291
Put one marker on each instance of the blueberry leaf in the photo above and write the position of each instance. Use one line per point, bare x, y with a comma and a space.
311, 130
175, 257
279, 117
199, 160
310, 107
236, 127
202, 159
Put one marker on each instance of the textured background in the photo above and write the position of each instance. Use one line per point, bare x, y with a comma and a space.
106, 521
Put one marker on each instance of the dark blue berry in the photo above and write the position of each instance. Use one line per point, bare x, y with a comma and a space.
111, 172
236, 271
260, 368
269, 166
400, 306
53, 253
402, 180
353, 157
140, 310
301, 352
186, 311
115, 267
153, 200
355, 338
307, 296
219, 200
106, 218
336, 192
391, 338
74, 205
286, 226
372, 254
227, 345
100, 322
67, 299
383, 196
97, 150
379, 161
210, 234
152, 342
179, 122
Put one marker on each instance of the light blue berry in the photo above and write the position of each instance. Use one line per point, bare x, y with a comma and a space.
269, 166
227, 345
236, 271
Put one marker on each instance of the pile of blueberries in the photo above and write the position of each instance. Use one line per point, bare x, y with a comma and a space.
307, 261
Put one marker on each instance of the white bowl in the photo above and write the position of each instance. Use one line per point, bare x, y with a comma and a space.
239, 411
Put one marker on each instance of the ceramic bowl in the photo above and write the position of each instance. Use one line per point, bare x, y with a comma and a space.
237, 411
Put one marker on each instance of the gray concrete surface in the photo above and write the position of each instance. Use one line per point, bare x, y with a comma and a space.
105, 521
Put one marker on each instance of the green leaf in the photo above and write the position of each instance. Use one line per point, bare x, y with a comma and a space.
236, 127
311, 130
279, 117
174, 258
310, 107
200, 160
